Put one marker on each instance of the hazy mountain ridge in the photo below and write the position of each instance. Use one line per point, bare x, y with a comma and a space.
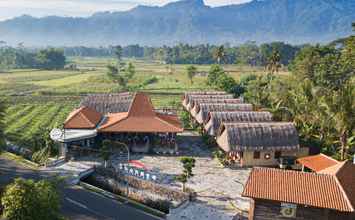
191, 21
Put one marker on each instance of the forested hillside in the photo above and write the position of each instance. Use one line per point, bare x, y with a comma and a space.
191, 21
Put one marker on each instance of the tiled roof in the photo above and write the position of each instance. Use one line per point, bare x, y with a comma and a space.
311, 189
141, 117
82, 118
317, 162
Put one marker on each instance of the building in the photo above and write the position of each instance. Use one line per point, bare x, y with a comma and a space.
284, 194
215, 119
260, 144
188, 97
317, 163
195, 103
126, 118
204, 109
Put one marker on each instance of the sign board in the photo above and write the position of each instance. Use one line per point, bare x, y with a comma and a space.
288, 210
56, 134
138, 172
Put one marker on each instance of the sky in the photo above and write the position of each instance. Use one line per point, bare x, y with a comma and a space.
81, 8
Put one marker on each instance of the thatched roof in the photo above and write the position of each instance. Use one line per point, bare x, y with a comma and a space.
258, 136
108, 103
195, 103
215, 119
204, 109
187, 94
189, 98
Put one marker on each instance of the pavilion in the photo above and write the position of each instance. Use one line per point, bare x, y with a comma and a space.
126, 118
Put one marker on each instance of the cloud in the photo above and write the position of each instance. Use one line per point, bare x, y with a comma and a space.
39, 8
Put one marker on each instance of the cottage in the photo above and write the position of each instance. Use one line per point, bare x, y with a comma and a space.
187, 95
283, 194
195, 103
259, 144
187, 100
204, 109
140, 127
215, 119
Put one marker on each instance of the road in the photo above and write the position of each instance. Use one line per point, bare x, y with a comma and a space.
78, 203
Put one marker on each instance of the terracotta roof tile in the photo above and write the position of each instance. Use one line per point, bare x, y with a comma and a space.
317, 162
312, 189
82, 118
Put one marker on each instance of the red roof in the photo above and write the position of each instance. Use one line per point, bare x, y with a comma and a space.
333, 190
317, 162
82, 118
141, 117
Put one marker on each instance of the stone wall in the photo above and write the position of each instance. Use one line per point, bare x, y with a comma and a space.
140, 190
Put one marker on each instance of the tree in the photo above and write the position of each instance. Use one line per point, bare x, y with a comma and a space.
2, 124
213, 74
226, 83
188, 163
50, 59
105, 152
191, 72
341, 107
45, 145
274, 63
29, 200
118, 51
130, 71
219, 54
116, 75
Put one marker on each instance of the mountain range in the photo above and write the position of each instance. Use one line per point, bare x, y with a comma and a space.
190, 21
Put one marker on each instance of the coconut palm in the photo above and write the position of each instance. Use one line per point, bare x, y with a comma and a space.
219, 54
341, 107
274, 63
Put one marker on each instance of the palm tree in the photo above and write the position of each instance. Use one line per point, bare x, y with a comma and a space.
341, 107
191, 72
220, 54
274, 63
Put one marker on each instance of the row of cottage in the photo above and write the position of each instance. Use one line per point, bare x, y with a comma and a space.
249, 137
252, 138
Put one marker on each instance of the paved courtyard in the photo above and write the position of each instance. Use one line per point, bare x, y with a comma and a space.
219, 189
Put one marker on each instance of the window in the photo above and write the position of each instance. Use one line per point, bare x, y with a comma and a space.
277, 154
256, 155
267, 156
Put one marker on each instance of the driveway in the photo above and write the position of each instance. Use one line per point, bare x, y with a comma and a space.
78, 203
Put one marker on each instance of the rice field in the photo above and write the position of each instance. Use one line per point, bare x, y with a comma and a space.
41, 99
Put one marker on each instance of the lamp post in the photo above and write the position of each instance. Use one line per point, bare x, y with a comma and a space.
128, 159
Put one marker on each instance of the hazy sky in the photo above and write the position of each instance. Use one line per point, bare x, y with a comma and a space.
39, 8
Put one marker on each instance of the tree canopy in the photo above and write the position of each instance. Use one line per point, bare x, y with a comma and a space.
30, 200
